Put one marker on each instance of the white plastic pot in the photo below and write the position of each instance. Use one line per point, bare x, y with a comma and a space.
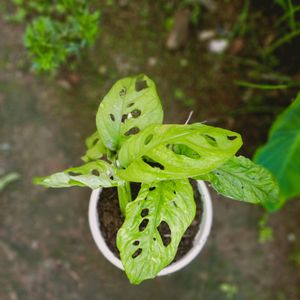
199, 241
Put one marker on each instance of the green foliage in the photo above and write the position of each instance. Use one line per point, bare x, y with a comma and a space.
287, 21
253, 183
93, 174
265, 231
95, 148
137, 147
143, 252
150, 156
57, 31
229, 290
281, 153
130, 106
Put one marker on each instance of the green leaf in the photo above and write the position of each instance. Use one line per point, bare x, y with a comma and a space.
241, 179
7, 179
281, 154
93, 174
130, 105
143, 252
154, 154
95, 148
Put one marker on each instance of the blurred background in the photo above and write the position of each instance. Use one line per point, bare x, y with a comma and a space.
235, 63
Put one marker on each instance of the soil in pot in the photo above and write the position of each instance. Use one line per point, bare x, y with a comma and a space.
111, 220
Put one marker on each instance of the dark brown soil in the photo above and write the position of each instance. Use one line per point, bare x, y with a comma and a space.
111, 220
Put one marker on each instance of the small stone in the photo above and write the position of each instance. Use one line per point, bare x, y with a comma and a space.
74, 78
210, 5
237, 46
5, 147
64, 84
218, 46
291, 237
34, 245
152, 61
205, 35
102, 69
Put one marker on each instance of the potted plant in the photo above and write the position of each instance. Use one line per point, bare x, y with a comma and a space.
149, 165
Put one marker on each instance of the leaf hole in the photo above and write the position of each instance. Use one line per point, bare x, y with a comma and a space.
124, 118
148, 139
175, 204
95, 141
152, 163
137, 253
144, 212
154, 239
72, 173
143, 224
95, 172
165, 233
130, 104
136, 243
140, 85
182, 149
231, 137
136, 113
123, 92
112, 117
152, 188
210, 139
133, 130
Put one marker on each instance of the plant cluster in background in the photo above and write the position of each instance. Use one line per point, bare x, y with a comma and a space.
288, 25
132, 145
57, 31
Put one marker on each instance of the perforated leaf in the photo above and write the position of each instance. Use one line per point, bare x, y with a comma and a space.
130, 105
95, 148
154, 154
168, 204
241, 179
281, 154
93, 174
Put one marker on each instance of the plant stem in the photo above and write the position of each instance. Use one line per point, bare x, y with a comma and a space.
266, 86
7, 179
124, 195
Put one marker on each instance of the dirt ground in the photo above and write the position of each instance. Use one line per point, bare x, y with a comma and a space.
46, 249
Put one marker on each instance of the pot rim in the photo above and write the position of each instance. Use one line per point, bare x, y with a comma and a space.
198, 244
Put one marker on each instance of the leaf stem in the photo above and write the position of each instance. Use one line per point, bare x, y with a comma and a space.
124, 195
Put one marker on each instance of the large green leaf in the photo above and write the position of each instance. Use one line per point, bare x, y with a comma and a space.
143, 251
130, 105
153, 154
95, 148
241, 179
93, 174
281, 154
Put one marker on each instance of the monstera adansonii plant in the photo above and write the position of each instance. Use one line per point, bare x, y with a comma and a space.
132, 145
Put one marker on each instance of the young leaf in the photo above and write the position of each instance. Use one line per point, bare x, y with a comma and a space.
144, 252
130, 105
154, 154
93, 174
241, 179
281, 154
95, 148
